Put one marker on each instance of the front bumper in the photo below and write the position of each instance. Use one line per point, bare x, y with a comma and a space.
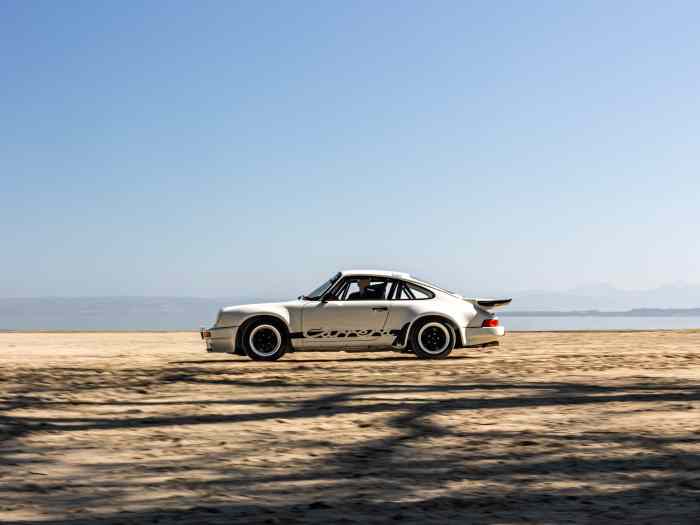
479, 336
220, 339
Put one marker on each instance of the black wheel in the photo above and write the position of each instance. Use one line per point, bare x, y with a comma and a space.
432, 339
265, 340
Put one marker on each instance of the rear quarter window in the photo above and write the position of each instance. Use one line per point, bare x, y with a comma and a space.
412, 292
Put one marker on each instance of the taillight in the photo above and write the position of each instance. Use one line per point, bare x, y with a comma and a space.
489, 323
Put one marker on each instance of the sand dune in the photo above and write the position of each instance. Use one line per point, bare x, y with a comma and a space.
548, 428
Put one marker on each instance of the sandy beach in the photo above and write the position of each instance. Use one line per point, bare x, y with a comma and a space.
579, 427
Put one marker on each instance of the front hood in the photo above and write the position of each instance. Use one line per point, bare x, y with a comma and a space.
237, 314
259, 306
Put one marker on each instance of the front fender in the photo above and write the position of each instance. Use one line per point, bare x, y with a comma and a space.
237, 315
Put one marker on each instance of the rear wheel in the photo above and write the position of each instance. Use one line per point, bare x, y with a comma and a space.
265, 340
432, 339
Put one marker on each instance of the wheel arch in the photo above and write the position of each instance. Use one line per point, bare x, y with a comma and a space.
434, 316
263, 316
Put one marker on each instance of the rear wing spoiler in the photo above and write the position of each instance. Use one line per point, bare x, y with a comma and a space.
490, 303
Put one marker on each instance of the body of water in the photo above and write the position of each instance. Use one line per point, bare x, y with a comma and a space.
599, 323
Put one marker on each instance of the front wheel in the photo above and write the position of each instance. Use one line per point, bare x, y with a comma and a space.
265, 340
432, 339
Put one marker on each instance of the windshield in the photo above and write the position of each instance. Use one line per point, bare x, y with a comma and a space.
318, 292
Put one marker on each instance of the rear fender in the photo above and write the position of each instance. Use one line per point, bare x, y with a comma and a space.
459, 330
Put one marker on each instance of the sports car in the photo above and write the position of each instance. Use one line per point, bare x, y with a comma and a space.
359, 310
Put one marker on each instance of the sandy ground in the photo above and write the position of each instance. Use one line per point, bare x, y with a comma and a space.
584, 427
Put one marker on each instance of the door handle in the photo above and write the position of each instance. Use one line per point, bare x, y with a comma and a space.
380, 308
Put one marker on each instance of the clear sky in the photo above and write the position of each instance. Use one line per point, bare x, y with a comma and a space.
230, 148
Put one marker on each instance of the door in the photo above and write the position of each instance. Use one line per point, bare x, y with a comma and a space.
354, 313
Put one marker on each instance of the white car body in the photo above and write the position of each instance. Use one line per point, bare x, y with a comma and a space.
328, 323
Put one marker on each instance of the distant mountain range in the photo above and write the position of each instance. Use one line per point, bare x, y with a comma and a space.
635, 312
606, 298
189, 313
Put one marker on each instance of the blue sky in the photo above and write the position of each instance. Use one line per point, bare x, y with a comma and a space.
225, 148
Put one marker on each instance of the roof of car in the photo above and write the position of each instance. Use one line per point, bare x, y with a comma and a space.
377, 273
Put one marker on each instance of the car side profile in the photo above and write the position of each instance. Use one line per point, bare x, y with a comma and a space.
359, 310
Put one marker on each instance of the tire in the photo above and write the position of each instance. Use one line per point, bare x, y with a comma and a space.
432, 339
265, 340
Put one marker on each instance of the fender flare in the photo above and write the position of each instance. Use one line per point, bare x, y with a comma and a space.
439, 316
262, 315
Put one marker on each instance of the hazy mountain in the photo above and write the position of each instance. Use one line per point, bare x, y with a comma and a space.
635, 312
607, 297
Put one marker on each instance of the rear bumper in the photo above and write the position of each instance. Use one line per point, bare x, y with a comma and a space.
479, 336
220, 339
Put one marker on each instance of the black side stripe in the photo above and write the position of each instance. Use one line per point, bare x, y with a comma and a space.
400, 338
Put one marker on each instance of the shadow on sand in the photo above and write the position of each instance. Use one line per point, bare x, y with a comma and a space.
421, 468
331, 359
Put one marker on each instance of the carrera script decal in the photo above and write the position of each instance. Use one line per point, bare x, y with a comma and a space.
399, 335
339, 334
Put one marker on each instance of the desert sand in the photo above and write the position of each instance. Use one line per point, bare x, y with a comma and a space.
579, 427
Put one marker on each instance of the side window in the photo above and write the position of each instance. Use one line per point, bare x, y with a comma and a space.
410, 291
351, 290
341, 291
402, 293
391, 287
419, 292
362, 289
380, 288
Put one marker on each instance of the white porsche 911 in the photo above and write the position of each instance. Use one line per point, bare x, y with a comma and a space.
356, 310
